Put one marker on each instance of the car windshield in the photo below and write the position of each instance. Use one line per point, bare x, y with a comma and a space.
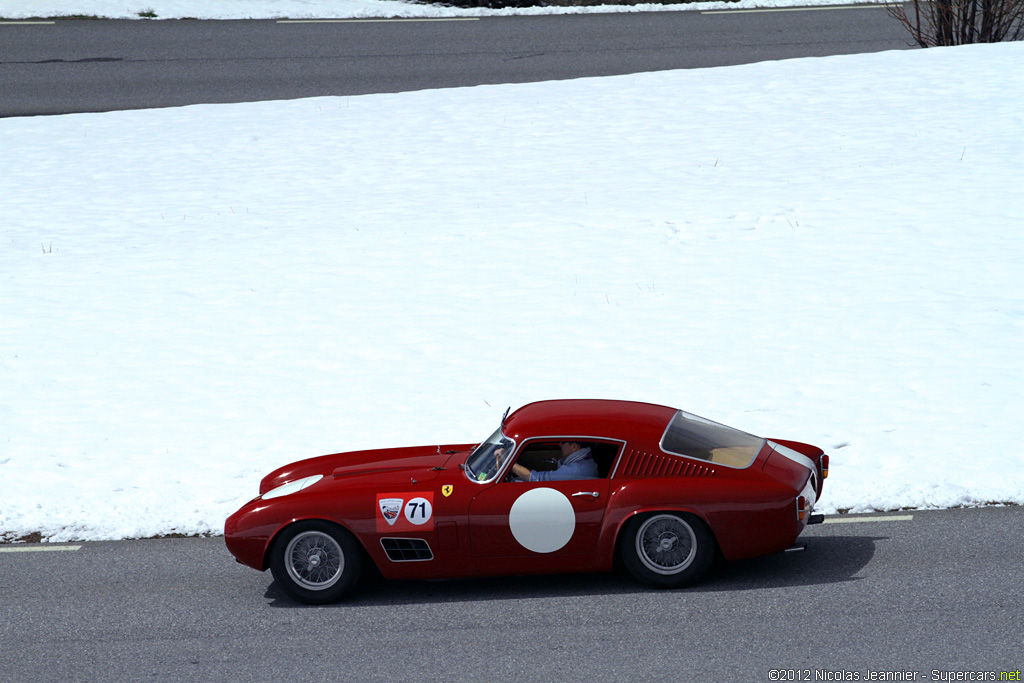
488, 458
696, 437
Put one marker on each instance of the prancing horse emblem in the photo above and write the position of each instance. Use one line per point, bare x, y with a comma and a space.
446, 490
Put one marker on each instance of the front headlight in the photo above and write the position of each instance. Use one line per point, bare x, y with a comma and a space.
292, 487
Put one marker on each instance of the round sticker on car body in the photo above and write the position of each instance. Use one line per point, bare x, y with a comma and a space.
418, 511
542, 520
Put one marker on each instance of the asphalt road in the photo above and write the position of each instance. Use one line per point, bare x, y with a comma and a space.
940, 592
78, 66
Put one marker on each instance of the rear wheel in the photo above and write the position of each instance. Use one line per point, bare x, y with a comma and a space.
668, 550
316, 562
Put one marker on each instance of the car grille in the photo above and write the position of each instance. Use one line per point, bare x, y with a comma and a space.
406, 549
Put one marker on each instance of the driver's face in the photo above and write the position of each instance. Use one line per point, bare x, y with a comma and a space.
568, 448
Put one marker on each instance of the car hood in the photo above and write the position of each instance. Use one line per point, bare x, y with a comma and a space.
422, 463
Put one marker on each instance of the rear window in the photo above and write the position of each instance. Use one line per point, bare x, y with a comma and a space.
696, 437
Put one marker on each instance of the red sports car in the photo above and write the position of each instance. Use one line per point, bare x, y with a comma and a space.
560, 486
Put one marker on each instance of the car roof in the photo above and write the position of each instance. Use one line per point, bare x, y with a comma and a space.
589, 417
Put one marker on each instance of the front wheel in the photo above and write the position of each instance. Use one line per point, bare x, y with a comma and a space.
316, 562
667, 550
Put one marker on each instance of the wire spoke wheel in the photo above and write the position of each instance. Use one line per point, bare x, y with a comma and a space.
314, 560
667, 550
666, 544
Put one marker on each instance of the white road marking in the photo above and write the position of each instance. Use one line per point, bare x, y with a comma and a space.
372, 21
27, 23
37, 548
820, 8
885, 518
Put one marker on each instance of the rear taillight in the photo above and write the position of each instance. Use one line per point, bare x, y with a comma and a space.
824, 467
801, 508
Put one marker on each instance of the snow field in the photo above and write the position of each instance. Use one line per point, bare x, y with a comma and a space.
825, 250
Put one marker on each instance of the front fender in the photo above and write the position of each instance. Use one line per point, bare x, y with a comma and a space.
249, 533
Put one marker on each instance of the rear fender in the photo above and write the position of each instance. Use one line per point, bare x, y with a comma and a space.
812, 452
652, 509
816, 455
745, 517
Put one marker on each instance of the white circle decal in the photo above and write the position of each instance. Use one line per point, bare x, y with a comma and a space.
542, 520
418, 511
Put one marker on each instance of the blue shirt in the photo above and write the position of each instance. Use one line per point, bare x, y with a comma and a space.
578, 465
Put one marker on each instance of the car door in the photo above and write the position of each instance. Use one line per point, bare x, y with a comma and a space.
549, 519
544, 520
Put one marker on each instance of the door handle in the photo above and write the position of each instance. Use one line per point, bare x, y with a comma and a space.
586, 493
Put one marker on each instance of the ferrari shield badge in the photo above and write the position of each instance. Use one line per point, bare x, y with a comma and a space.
446, 490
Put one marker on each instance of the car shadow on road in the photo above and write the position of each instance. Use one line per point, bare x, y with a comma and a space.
827, 560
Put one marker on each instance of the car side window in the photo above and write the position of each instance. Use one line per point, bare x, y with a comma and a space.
592, 459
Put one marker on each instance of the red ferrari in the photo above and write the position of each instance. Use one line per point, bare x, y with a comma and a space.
560, 486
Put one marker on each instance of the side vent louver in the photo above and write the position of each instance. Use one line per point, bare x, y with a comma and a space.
640, 464
406, 549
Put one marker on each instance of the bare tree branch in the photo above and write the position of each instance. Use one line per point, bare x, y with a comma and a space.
933, 23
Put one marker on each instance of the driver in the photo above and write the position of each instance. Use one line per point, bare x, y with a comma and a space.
576, 463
